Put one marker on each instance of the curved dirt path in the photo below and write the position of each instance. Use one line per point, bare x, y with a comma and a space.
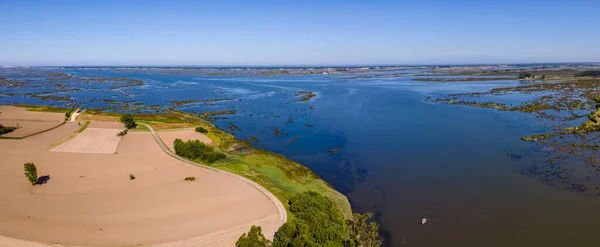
75, 114
278, 204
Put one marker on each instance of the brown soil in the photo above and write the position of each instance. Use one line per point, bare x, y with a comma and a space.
90, 200
29, 122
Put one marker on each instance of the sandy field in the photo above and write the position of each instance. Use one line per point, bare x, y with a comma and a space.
89, 199
168, 136
29, 122
92, 140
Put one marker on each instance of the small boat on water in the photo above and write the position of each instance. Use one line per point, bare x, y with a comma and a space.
423, 221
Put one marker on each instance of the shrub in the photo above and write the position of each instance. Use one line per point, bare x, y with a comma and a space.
201, 130
190, 179
122, 133
128, 121
254, 238
6, 129
131, 177
195, 149
31, 172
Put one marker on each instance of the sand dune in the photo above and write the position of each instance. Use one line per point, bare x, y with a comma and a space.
90, 200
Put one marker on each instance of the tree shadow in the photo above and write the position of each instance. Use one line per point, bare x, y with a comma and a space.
43, 179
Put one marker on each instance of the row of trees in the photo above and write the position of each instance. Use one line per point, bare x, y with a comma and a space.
195, 149
588, 73
317, 222
530, 76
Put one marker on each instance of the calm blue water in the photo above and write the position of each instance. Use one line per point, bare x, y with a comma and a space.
400, 157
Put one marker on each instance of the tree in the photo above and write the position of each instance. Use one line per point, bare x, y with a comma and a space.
31, 172
526, 75
195, 149
201, 130
318, 222
128, 121
363, 231
254, 238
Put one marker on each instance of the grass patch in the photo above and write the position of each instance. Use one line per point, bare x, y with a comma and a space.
40, 108
85, 125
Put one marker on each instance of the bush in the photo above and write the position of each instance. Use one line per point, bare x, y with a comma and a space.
526, 75
254, 238
31, 172
190, 179
195, 149
317, 222
201, 130
68, 114
6, 129
128, 121
122, 133
131, 177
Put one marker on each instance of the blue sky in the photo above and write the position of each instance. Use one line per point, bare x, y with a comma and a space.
297, 32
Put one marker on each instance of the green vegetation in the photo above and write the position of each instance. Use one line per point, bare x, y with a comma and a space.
526, 75
588, 73
201, 130
281, 176
68, 114
208, 115
85, 125
128, 121
30, 172
254, 238
6, 129
363, 231
191, 179
40, 108
592, 124
131, 177
317, 222
305, 95
123, 133
460, 79
197, 150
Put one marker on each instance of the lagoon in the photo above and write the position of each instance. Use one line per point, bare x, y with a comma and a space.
396, 154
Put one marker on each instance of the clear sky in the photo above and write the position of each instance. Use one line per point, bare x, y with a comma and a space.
222, 32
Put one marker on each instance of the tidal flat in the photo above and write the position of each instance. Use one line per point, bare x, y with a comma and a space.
401, 148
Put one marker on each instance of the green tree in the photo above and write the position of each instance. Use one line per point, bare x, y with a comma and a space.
201, 130
363, 231
195, 149
128, 121
31, 172
317, 222
254, 238
526, 75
